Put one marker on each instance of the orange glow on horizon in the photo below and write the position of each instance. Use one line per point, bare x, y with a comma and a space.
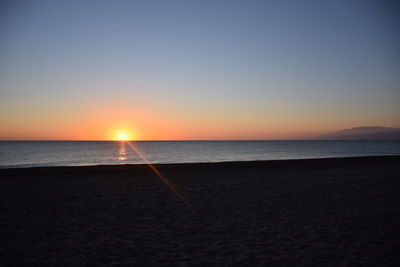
117, 122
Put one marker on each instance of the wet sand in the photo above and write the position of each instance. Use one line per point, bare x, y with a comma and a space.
295, 212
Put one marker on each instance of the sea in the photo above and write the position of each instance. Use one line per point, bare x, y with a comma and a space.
20, 154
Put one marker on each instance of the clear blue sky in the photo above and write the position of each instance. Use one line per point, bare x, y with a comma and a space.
197, 69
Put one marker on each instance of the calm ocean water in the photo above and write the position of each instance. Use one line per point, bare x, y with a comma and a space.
70, 153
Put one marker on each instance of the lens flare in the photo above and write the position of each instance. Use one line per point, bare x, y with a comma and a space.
163, 179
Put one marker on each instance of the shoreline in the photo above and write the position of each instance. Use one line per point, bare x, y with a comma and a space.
354, 159
339, 211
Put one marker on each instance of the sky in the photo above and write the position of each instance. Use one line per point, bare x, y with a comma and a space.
194, 70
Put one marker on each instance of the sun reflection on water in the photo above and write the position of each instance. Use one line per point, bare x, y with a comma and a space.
122, 151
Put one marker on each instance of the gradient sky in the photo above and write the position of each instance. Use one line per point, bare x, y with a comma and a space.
163, 70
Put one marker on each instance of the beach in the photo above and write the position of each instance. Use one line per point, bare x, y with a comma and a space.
319, 212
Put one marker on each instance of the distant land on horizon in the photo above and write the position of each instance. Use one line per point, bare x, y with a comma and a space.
364, 133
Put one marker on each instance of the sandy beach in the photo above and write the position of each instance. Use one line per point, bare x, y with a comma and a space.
318, 212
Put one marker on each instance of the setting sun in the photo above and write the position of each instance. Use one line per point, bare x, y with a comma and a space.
122, 137
122, 133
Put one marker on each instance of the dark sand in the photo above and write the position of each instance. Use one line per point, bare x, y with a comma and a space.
299, 212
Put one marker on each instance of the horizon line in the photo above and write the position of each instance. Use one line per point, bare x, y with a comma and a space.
192, 140
145, 140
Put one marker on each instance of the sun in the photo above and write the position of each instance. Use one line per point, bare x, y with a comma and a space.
122, 137
122, 134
